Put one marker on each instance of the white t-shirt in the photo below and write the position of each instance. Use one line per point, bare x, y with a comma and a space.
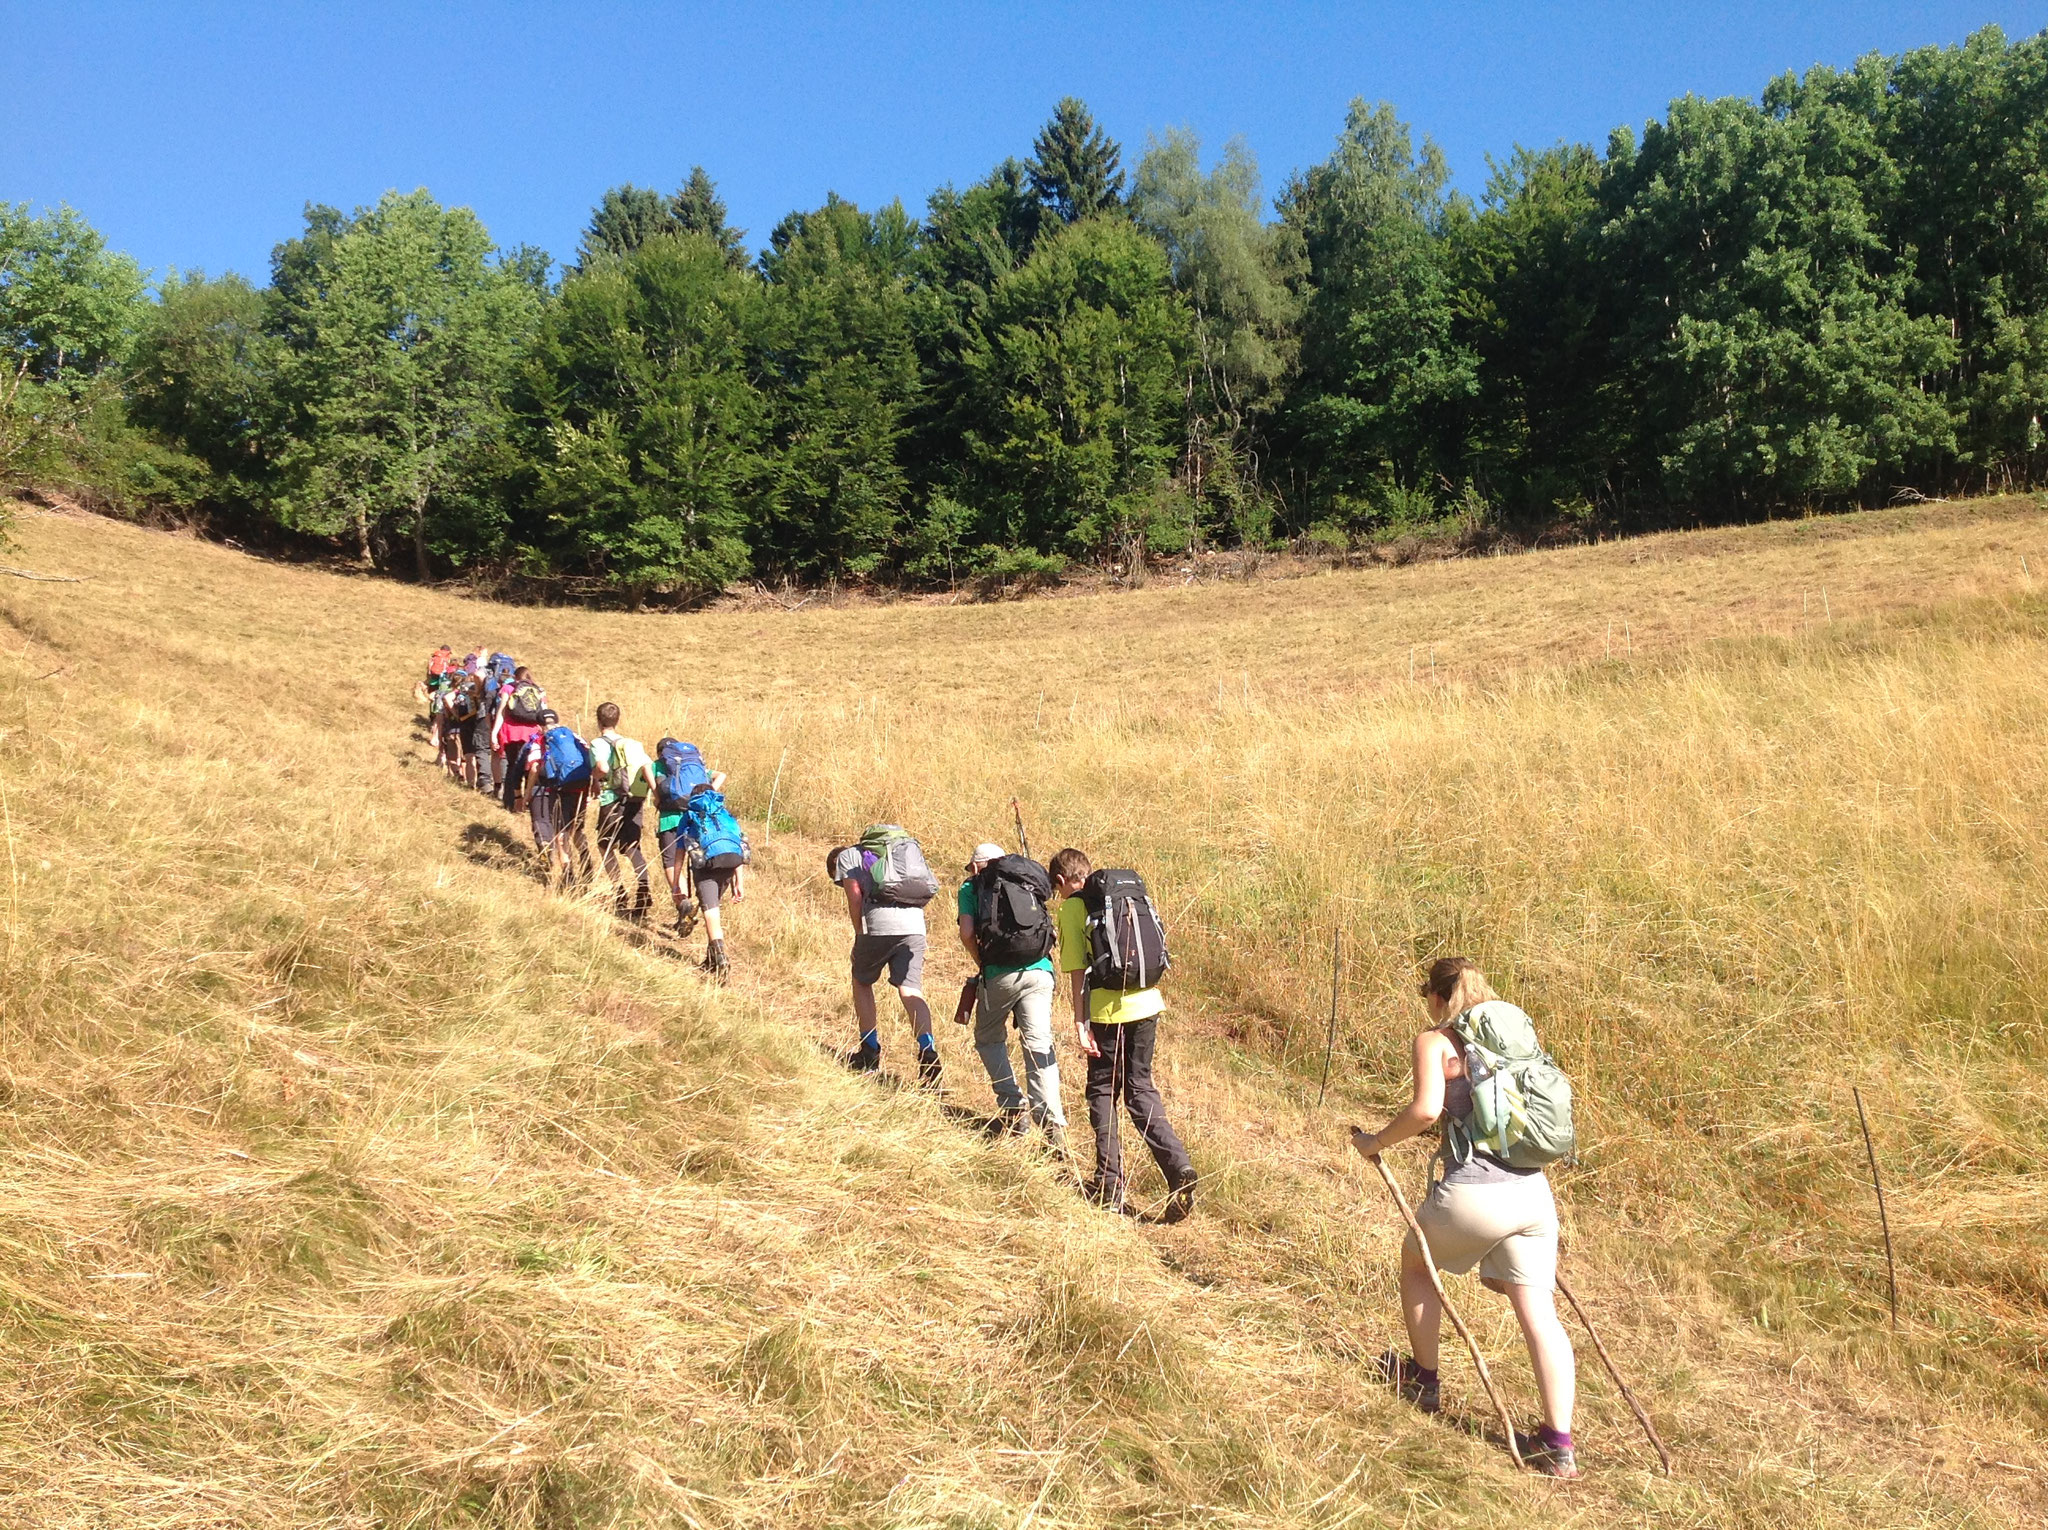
851, 864
631, 754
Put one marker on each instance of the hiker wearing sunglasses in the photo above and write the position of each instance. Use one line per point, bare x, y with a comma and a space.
1492, 1205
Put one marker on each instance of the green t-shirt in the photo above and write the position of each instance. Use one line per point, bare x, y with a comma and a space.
1105, 1005
969, 905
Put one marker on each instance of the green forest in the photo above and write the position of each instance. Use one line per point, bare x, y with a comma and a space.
1835, 294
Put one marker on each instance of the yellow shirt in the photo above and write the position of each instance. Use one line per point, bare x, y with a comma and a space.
1105, 1006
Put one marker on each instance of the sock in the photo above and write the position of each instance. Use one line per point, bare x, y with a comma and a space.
871, 1041
925, 1042
1553, 1438
1424, 1374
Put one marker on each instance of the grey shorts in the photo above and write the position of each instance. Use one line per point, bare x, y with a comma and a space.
1508, 1228
902, 955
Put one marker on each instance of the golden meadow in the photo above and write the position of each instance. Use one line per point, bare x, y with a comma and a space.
348, 1179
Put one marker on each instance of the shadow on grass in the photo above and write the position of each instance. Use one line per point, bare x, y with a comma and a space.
494, 847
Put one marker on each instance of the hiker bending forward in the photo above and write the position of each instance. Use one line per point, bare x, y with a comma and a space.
1117, 1025
1479, 1212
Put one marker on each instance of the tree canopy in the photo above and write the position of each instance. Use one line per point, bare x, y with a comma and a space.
1833, 293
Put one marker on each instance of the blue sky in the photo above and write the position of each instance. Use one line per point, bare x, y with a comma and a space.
192, 134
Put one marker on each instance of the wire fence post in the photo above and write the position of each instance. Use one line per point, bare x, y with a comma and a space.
1330, 1044
1884, 1221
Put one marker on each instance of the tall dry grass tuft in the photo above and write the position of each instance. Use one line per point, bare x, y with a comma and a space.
346, 1178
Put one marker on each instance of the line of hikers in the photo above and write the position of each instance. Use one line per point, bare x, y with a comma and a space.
489, 721
1106, 935
1480, 1074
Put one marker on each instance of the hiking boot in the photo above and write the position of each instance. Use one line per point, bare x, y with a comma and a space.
1180, 1201
1542, 1457
1016, 1123
864, 1059
1056, 1142
714, 959
1410, 1381
928, 1068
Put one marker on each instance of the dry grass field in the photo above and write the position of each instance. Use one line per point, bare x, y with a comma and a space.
349, 1179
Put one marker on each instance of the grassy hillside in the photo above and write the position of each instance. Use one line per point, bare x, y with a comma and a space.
348, 1179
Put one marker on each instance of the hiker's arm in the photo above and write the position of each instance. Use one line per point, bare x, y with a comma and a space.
1422, 1111
852, 886
739, 881
718, 780
1078, 988
967, 941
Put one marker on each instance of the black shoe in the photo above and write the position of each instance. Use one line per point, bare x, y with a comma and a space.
686, 921
1549, 1460
864, 1059
928, 1068
1016, 1123
1407, 1379
1180, 1201
714, 959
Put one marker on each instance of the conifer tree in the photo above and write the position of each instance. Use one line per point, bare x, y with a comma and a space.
1075, 167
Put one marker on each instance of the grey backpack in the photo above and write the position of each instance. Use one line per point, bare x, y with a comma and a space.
1521, 1099
897, 867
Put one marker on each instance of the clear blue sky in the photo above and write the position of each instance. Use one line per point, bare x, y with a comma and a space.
192, 134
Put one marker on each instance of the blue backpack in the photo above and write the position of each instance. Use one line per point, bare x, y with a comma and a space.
565, 760
681, 771
711, 828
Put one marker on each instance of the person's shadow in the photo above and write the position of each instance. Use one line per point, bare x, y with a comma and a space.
491, 846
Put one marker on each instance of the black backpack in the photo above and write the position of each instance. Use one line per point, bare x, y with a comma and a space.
1126, 941
1013, 927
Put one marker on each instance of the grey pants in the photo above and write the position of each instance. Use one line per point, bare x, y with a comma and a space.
1028, 996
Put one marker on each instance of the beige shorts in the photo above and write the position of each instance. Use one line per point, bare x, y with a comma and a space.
1508, 1228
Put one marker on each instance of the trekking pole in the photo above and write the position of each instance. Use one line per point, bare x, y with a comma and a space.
1330, 1046
768, 825
1891, 1270
1607, 1360
1023, 841
1429, 1264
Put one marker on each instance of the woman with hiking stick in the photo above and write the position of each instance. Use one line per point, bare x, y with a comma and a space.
1482, 1211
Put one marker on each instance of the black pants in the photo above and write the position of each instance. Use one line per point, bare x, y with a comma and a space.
618, 833
1123, 1074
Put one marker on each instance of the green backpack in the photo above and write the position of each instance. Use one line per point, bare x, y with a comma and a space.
1521, 1099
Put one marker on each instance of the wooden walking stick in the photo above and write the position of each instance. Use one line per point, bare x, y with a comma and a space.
1023, 841
1607, 1360
1507, 1424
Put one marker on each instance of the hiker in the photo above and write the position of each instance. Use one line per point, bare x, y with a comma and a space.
1482, 1211
716, 850
558, 771
1114, 948
1008, 935
521, 705
887, 884
458, 715
625, 777
493, 769
679, 769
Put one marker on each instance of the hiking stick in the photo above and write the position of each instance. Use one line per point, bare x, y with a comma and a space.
1891, 1270
1330, 1046
1023, 840
1429, 1264
1607, 1360
768, 825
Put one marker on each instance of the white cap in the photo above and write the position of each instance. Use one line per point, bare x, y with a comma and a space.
986, 851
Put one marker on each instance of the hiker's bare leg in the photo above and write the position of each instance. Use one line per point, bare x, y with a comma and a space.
1550, 1352
1420, 1309
714, 930
920, 1012
864, 1006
